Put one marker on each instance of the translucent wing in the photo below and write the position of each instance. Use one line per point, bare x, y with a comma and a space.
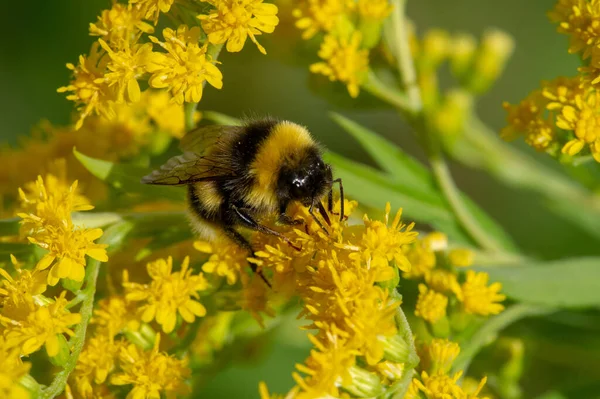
189, 168
201, 139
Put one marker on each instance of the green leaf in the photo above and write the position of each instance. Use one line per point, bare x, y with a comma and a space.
389, 156
127, 178
373, 189
568, 283
414, 177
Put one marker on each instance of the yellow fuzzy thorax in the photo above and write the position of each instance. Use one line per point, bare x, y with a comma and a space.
285, 145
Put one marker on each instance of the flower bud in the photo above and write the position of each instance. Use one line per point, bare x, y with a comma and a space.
461, 56
396, 349
63, 354
449, 119
365, 384
493, 53
71, 285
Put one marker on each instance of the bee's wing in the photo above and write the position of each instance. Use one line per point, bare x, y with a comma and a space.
201, 139
189, 168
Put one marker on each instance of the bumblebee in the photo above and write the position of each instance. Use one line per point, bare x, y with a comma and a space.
237, 175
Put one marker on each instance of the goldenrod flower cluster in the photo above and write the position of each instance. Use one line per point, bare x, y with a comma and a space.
127, 52
446, 290
436, 380
475, 66
561, 118
31, 317
347, 30
143, 127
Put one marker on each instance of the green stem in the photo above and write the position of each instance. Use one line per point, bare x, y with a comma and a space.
78, 340
405, 331
382, 91
517, 169
87, 306
444, 179
406, 66
439, 167
491, 328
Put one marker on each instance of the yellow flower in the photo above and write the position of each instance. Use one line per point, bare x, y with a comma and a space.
384, 243
152, 373
89, 91
390, 371
233, 21
441, 386
96, 361
431, 305
584, 120
169, 294
562, 91
67, 248
255, 298
461, 257
280, 259
345, 61
374, 9
185, 67
413, 390
168, 116
42, 327
314, 16
421, 258
24, 288
441, 353
371, 321
121, 25
579, 19
114, 315
480, 299
335, 288
443, 280
124, 68
51, 197
50, 227
11, 371
327, 367
226, 260
151, 9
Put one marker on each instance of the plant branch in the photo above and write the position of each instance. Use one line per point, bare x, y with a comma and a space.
86, 295
78, 340
515, 168
444, 179
406, 66
439, 166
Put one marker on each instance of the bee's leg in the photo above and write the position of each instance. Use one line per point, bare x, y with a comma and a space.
288, 221
315, 218
285, 219
242, 242
339, 181
249, 221
323, 213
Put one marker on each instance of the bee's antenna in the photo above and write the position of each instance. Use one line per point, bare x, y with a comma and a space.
339, 181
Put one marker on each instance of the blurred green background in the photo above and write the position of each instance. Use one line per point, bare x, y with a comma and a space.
39, 37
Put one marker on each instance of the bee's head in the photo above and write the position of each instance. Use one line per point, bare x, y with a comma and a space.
307, 180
